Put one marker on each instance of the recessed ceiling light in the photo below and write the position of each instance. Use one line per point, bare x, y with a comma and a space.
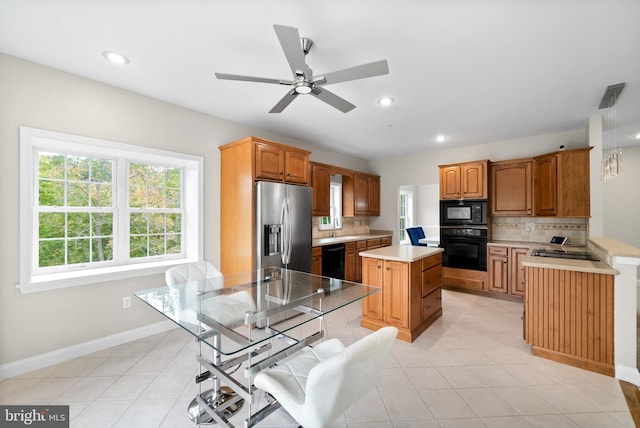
440, 139
115, 57
385, 101
637, 137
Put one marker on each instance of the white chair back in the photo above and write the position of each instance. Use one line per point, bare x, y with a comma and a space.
331, 384
191, 272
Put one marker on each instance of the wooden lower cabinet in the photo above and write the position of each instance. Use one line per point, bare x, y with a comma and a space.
569, 317
464, 278
505, 270
350, 260
316, 260
410, 297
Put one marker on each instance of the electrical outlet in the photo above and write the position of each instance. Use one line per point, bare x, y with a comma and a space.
126, 302
529, 226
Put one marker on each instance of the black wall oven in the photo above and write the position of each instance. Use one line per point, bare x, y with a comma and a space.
464, 247
463, 212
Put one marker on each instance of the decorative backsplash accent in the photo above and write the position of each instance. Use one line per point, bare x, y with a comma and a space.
350, 226
518, 229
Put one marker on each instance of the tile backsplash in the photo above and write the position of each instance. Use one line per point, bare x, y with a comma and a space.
516, 229
350, 226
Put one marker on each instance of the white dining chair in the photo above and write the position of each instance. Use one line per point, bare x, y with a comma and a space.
227, 309
318, 385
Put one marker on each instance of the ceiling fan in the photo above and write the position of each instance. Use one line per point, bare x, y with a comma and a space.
304, 82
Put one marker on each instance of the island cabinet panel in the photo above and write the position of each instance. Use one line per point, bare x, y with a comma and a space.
372, 275
569, 317
396, 293
410, 297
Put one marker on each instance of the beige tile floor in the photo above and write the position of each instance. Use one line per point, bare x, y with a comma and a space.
470, 369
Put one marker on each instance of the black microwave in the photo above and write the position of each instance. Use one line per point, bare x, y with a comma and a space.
467, 212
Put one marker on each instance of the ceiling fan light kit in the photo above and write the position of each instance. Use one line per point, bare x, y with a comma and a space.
304, 82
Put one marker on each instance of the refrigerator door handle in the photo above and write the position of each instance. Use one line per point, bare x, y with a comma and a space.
283, 221
290, 233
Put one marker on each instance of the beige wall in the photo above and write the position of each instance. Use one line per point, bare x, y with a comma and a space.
40, 97
621, 200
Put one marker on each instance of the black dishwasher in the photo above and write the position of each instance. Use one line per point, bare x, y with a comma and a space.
333, 261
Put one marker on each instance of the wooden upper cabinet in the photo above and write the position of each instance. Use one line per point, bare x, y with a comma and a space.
360, 194
474, 180
574, 187
467, 180
296, 167
269, 162
277, 162
545, 176
321, 183
511, 188
450, 183
561, 185
374, 194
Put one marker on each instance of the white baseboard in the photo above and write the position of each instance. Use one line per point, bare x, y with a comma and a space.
26, 365
629, 374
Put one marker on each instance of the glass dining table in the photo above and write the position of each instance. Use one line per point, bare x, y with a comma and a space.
251, 320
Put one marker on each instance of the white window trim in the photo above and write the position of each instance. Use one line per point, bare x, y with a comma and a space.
32, 138
335, 195
409, 216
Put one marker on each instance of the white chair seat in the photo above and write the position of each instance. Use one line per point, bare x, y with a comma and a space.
318, 385
291, 376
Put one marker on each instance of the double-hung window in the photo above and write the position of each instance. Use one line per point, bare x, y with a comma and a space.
94, 210
334, 220
405, 205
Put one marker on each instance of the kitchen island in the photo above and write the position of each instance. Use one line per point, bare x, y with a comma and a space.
410, 278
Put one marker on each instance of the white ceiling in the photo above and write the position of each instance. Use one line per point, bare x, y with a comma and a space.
475, 70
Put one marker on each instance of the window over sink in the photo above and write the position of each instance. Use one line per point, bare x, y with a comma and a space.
335, 219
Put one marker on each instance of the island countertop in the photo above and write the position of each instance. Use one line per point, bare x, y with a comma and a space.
401, 253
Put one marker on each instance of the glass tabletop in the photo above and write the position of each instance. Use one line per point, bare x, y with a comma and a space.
237, 311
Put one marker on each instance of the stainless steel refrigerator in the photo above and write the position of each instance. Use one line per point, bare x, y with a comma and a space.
283, 239
283, 225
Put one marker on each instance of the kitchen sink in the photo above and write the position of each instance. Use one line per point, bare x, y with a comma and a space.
564, 254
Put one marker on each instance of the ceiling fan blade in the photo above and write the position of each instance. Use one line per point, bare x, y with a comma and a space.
226, 76
289, 38
332, 99
284, 102
371, 69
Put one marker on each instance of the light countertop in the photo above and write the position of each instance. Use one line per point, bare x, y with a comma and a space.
319, 242
401, 253
566, 264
